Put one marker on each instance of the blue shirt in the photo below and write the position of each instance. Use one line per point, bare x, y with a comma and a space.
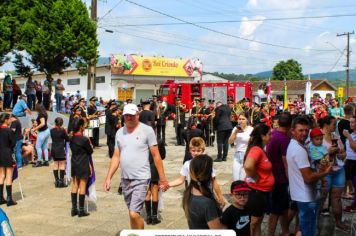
19, 108
317, 152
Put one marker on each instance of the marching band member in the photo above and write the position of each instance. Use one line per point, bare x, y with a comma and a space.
234, 112
161, 121
114, 119
7, 145
179, 120
80, 167
147, 116
76, 115
264, 115
196, 111
223, 128
208, 120
93, 114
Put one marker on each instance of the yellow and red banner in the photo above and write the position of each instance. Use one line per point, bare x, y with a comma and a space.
155, 66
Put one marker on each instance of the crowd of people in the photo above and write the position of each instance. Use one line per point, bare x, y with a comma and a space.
287, 164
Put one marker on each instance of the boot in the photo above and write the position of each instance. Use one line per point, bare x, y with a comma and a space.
74, 210
2, 199
56, 179
82, 212
148, 212
155, 219
62, 184
9, 200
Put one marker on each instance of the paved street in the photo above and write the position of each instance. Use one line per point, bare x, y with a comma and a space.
46, 210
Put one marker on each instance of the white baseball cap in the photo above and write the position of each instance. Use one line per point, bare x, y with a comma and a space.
130, 109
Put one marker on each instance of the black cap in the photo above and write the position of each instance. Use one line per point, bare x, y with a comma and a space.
202, 99
76, 108
230, 101
82, 100
178, 99
256, 104
146, 102
197, 99
93, 98
115, 109
129, 100
154, 96
211, 101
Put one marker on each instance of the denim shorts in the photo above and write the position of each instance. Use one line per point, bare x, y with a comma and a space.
308, 215
134, 191
336, 179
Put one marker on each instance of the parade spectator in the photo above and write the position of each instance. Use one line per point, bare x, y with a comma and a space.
80, 167
264, 115
279, 197
7, 90
59, 138
46, 94
138, 138
335, 181
259, 176
7, 145
16, 92
200, 207
237, 216
351, 160
302, 177
197, 148
59, 88
335, 110
240, 135
38, 88
223, 130
42, 137
21, 108
31, 93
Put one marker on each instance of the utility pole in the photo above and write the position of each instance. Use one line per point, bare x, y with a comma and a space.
92, 66
347, 61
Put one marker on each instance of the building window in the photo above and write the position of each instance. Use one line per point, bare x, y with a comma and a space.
100, 79
73, 81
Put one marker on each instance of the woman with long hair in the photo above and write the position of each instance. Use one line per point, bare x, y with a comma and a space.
240, 135
199, 204
42, 136
59, 138
259, 176
335, 181
7, 144
80, 167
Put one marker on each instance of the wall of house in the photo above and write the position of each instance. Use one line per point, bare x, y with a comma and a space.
323, 93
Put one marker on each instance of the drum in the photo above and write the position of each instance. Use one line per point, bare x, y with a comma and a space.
88, 133
102, 120
94, 124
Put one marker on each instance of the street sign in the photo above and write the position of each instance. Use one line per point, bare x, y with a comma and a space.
340, 92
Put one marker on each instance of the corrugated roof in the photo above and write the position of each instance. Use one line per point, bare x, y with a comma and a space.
292, 85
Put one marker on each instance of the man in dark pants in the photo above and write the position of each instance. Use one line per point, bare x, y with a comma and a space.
161, 116
223, 127
108, 124
114, 119
208, 126
93, 114
179, 120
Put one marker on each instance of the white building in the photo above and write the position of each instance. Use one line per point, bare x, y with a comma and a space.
124, 76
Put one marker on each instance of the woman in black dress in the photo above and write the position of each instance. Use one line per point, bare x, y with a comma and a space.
81, 149
59, 138
7, 144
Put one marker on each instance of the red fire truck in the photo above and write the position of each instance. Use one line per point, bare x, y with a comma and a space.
218, 91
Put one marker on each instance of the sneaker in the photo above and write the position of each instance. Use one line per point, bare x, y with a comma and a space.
38, 164
325, 212
350, 209
45, 163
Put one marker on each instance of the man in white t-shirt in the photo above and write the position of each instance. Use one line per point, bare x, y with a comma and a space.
133, 142
302, 179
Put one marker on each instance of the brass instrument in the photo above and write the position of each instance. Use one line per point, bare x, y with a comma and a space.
212, 114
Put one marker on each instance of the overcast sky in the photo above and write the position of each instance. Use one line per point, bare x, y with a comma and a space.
242, 45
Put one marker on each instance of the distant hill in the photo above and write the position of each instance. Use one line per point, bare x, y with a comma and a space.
337, 75
337, 78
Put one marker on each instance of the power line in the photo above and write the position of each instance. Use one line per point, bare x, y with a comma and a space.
232, 21
110, 10
222, 33
337, 61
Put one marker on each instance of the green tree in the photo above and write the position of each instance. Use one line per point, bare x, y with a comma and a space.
289, 70
5, 39
57, 34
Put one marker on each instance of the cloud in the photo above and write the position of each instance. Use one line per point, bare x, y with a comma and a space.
252, 3
254, 46
247, 28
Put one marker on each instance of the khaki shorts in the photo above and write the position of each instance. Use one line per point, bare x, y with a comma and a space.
134, 192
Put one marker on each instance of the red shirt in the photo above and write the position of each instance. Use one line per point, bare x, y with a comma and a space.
265, 181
